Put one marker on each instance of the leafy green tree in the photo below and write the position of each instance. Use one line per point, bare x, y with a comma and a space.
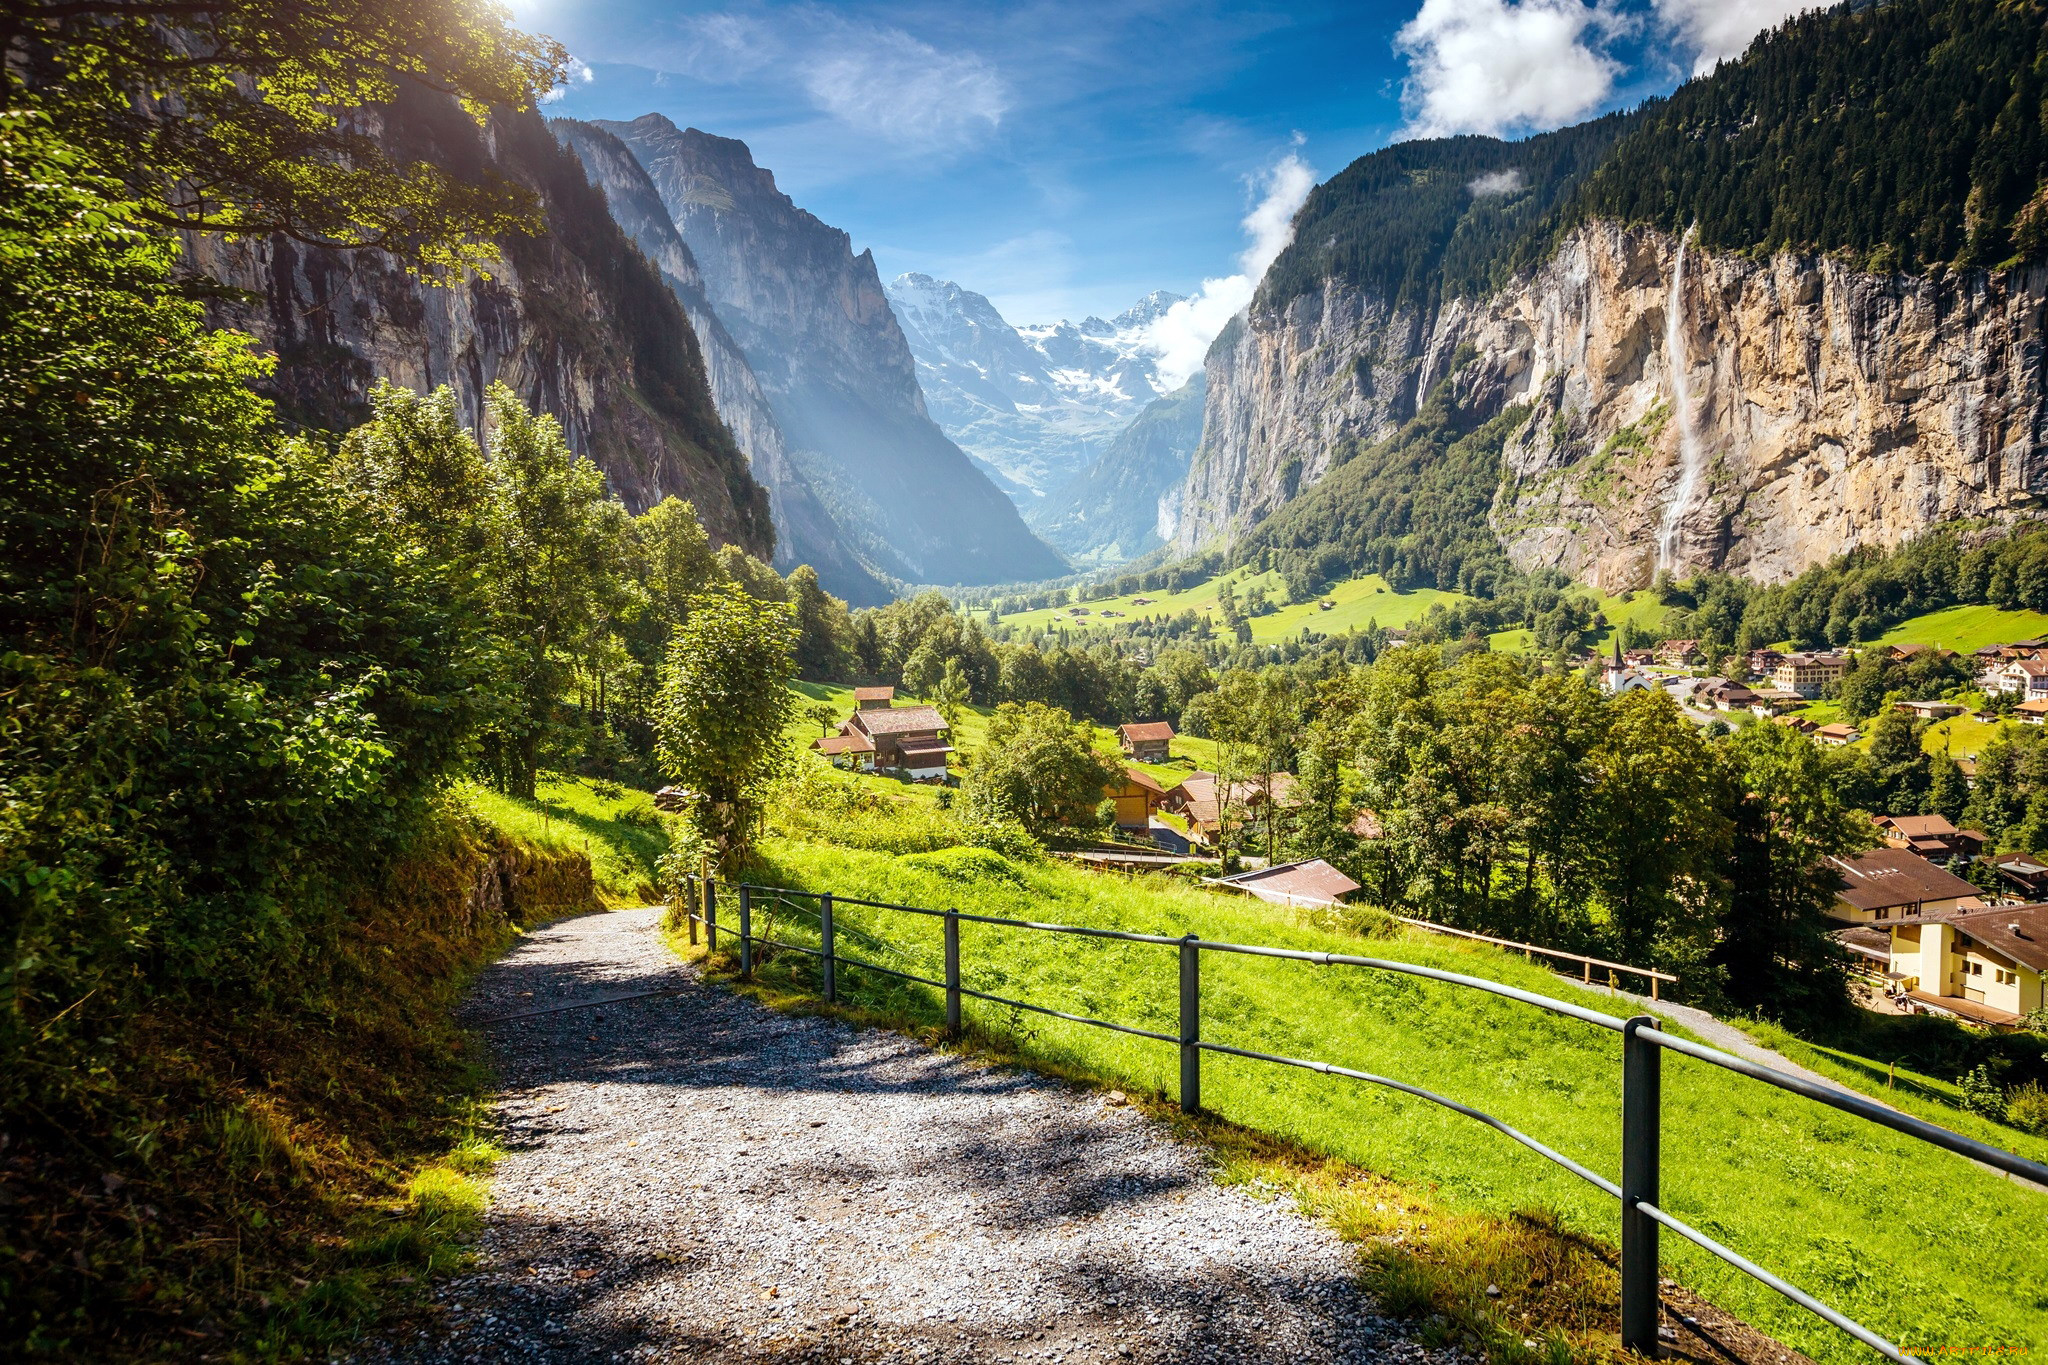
1948, 793
824, 650
822, 714
951, 695
725, 702
1899, 766
1039, 768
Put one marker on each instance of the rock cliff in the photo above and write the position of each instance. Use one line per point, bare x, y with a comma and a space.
818, 333
1823, 408
574, 319
805, 532
1123, 505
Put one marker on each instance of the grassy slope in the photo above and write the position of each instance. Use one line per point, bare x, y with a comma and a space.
619, 834
1819, 1196
1967, 628
1642, 608
1359, 602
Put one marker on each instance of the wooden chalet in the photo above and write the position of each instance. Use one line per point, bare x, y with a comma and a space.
906, 739
1148, 741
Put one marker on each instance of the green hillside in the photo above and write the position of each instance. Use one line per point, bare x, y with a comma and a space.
1967, 628
1358, 602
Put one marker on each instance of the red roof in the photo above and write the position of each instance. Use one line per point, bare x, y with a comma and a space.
1313, 882
899, 720
1147, 732
874, 694
852, 742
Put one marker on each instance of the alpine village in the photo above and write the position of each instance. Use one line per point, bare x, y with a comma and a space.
588, 774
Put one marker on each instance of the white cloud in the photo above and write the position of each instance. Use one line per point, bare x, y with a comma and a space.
579, 73
1181, 336
1506, 66
1718, 29
1495, 182
888, 84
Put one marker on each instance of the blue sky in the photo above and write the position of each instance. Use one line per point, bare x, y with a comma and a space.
1068, 156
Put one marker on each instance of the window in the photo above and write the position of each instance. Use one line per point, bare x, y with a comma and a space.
2006, 978
1884, 912
1976, 969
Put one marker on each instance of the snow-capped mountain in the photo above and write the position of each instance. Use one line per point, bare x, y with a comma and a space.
1034, 406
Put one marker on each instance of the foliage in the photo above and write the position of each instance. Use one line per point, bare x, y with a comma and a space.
2027, 1108
240, 117
1039, 768
724, 705
1981, 1092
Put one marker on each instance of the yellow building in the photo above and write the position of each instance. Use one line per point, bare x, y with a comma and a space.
1985, 966
1136, 798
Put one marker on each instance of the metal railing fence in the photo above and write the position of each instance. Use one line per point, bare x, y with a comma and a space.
1643, 1044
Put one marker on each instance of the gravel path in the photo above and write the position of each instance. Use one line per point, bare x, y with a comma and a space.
692, 1176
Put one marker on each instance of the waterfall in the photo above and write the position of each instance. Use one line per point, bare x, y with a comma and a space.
1689, 456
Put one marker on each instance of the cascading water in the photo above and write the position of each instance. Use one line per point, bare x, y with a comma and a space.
1689, 456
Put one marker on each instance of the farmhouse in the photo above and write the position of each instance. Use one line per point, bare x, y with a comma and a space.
1835, 736
906, 739
1889, 884
2028, 677
1985, 966
1679, 653
1932, 710
2031, 711
873, 698
1930, 836
1137, 796
1148, 741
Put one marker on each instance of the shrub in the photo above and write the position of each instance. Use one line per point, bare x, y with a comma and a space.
2028, 1108
1982, 1093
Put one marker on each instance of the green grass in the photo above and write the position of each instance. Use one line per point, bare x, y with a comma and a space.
1966, 628
615, 826
1962, 736
1919, 1244
1636, 607
1358, 602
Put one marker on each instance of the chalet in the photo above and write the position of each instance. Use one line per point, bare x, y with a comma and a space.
1137, 795
1148, 741
2032, 711
1930, 836
1311, 882
1887, 885
2019, 874
2026, 677
1726, 695
1639, 658
873, 698
1984, 966
1764, 662
1196, 799
1809, 674
1932, 710
905, 739
1799, 723
1772, 701
1835, 736
1679, 653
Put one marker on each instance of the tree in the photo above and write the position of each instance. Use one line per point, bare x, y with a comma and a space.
822, 714
950, 696
1949, 792
824, 649
237, 116
1038, 768
725, 701
1899, 770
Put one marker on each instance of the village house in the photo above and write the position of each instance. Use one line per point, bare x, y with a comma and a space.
1930, 836
1799, 723
1726, 695
1764, 662
1908, 653
873, 698
1835, 736
2032, 711
2019, 874
1932, 710
1886, 885
2026, 677
1985, 966
1310, 882
905, 739
1147, 741
1809, 674
1679, 653
1772, 701
1195, 799
1138, 797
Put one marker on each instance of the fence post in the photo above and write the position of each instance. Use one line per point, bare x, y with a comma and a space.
746, 934
1641, 1117
710, 915
953, 972
1190, 1026
830, 961
692, 887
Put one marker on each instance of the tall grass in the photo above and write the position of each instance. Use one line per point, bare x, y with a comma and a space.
616, 827
1919, 1244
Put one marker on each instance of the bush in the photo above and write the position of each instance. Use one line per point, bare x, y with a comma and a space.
2027, 1109
1982, 1093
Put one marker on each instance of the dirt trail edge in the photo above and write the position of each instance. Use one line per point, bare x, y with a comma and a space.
692, 1176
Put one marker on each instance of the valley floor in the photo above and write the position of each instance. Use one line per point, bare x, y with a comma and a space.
694, 1176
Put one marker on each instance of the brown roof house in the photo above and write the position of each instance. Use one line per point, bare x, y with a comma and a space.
1985, 966
1930, 836
1196, 798
1136, 796
905, 739
1147, 741
2021, 874
1889, 884
1312, 882
1836, 735
873, 698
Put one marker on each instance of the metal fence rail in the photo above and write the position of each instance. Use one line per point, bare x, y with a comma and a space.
1643, 1044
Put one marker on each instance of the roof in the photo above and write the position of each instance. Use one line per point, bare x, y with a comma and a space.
1312, 882
1886, 877
1140, 778
853, 743
874, 694
2036, 707
1832, 731
899, 720
1866, 941
924, 746
1919, 826
1146, 732
2033, 668
2019, 932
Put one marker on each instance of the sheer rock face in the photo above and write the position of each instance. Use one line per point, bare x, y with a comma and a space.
805, 532
1831, 408
816, 329
566, 319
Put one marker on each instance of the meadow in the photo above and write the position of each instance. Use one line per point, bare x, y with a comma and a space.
1967, 628
616, 826
1356, 603
1913, 1241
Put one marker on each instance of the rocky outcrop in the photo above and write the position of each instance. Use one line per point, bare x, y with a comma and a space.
574, 319
1123, 506
1829, 408
818, 333
805, 532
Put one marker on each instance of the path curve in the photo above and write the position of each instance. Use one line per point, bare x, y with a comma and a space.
692, 1176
